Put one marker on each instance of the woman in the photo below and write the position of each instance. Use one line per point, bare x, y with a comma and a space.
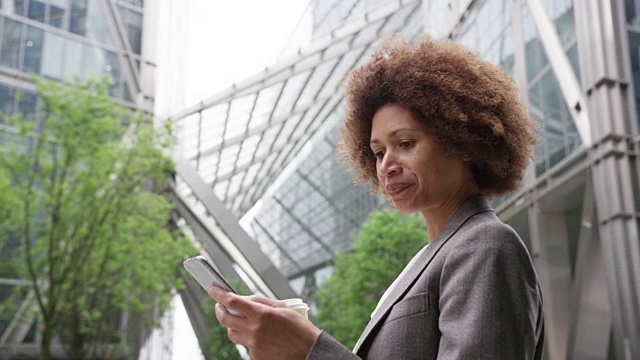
437, 130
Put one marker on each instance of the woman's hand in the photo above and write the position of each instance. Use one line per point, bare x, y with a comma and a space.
267, 327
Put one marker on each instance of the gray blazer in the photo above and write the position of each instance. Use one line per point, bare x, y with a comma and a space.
472, 294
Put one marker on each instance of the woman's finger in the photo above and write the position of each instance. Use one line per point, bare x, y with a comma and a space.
269, 302
228, 319
235, 304
235, 336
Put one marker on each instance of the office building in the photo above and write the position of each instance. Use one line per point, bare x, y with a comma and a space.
61, 40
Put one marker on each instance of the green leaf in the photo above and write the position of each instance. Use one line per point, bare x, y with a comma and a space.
384, 245
84, 209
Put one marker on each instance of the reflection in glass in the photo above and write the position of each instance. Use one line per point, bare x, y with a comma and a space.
33, 49
132, 21
313, 214
566, 27
112, 70
11, 40
559, 135
73, 58
632, 8
561, 12
6, 99
573, 59
536, 57
127, 93
634, 52
97, 28
18, 7
53, 53
78, 17
134, 2
27, 104
36, 10
56, 16
93, 62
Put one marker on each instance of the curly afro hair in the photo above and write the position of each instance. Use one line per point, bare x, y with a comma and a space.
469, 105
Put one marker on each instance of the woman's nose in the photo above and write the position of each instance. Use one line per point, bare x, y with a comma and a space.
389, 165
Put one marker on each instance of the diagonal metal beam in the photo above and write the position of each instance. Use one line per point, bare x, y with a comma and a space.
261, 129
305, 227
277, 244
241, 248
326, 198
282, 157
205, 236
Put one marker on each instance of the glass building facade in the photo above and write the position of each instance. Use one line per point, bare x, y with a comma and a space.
265, 148
261, 153
62, 40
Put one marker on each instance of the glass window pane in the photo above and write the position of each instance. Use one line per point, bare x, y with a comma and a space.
127, 93
78, 18
93, 64
132, 21
11, 40
6, 99
572, 53
33, 49
63, 4
97, 28
57, 16
73, 59
112, 70
27, 104
37, 10
134, 2
634, 51
565, 24
632, 8
18, 7
53, 53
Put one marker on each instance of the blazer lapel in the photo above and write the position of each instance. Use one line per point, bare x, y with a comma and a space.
472, 206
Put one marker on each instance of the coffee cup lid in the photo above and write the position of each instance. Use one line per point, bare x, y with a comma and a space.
294, 301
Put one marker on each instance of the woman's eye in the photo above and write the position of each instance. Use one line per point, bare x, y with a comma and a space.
406, 144
378, 154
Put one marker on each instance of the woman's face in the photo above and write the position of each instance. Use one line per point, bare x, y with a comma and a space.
412, 168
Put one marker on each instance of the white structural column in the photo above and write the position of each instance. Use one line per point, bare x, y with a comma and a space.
550, 247
591, 310
606, 80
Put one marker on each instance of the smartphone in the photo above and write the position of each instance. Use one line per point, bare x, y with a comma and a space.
205, 274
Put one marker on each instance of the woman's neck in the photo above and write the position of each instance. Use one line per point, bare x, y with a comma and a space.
437, 216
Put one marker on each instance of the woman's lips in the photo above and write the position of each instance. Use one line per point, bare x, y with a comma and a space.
395, 188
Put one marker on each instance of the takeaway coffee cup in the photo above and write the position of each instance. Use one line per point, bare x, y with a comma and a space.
298, 305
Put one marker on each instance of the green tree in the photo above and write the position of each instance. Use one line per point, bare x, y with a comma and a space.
385, 244
216, 344
92, 216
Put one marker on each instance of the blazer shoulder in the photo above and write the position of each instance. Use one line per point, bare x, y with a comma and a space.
485, 231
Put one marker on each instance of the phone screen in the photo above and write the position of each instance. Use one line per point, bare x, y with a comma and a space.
205, 274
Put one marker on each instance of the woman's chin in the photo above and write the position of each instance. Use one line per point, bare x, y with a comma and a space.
402, 207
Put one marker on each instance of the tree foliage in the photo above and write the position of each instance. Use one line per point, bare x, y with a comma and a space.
385, 244
90, 213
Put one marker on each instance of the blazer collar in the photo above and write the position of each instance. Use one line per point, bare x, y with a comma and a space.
471, 207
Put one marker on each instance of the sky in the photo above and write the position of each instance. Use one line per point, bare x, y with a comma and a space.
231, 40
228, 41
